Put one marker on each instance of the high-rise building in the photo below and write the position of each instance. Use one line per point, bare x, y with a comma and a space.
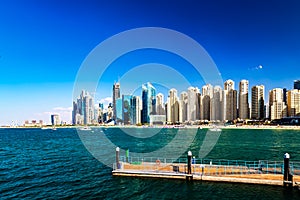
293, 102
116, 95
83, 109
119, 110
278, 108
257, 102
148, 101
243, 99
216, 113
183, 106
207, 94
172, 107
100, 113
74, 112
55, 120
230, 101
297, 84
191, 104
198, 103
127, 109
136, 109
88, 109
109, 114
160, 107
285, 96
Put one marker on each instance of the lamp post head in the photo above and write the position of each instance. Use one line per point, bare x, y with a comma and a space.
286, 155
189, 153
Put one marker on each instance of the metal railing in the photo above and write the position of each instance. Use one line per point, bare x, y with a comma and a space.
209, 167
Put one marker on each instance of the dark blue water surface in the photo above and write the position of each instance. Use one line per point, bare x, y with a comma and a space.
39, 164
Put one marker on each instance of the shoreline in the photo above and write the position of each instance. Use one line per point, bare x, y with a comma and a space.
245, 127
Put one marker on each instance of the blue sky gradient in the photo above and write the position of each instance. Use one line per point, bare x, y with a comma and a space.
43, 43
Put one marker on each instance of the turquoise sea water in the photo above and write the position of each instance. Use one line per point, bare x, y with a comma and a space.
39, 164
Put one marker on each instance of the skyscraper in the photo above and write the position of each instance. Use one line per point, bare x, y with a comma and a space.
183, 106
293, 102
88, 108
126, 112
257, 102
216, 102
277, 106
173, 107
191, 104
243, 99
116, 95
207, 94
230, 101
136, 109
55, 119
160, 107
297, 84
83, 109
119, 110
148, 101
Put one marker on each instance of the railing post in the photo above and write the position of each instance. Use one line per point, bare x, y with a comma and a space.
287, 177
127, 155
189, 176
118, 158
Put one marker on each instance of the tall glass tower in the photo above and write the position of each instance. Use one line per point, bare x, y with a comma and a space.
149, 102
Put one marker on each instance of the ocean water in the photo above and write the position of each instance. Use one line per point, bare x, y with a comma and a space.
47, 164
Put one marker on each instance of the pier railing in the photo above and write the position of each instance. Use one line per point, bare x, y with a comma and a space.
208, 167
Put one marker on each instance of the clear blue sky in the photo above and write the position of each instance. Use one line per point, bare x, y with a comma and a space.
43, 43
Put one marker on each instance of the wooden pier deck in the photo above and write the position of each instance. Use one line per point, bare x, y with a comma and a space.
218, 173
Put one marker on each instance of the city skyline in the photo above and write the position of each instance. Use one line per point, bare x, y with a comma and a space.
210, 103
43, 44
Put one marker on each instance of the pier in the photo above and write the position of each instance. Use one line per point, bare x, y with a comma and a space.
280, 173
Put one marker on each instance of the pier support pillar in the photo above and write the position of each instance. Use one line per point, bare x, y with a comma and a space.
189, 176
287, 176
127, 155
118, 158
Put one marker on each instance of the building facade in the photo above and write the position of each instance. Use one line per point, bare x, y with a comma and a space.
293, 102
277, 106
229, 101
116, 95
257, 102
148, 102
243, 99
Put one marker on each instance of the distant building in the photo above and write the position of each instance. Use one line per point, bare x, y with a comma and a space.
109, 114
192, 104
157, 119
55, 120
257, 102
216, 113
297, 84
136, 108
293, 102
119, 110
173, 107
33, 123
205, 107
183, 105
127, 109
116, 95
243, 99
278, 107
160, 107
230, 101
83, 109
